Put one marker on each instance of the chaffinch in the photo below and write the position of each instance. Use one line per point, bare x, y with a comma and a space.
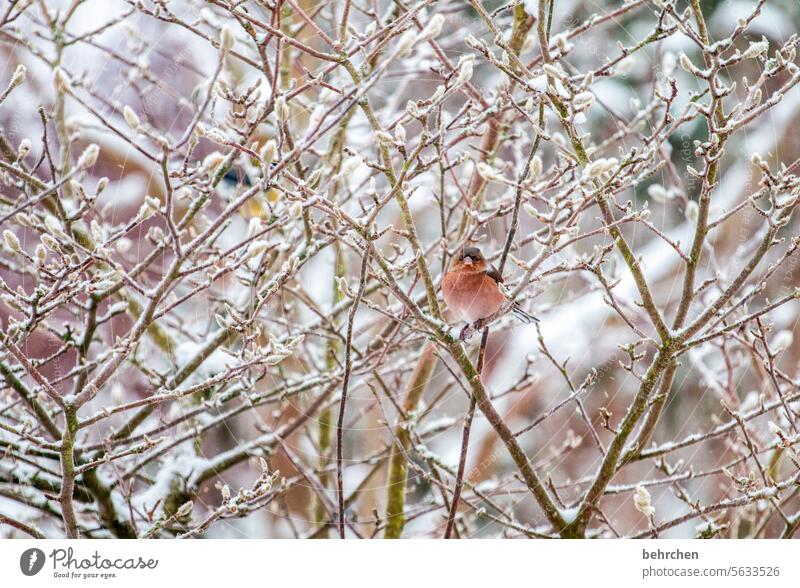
471, 289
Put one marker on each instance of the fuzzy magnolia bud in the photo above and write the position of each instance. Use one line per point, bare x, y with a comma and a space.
687, 65
384, 137
433, 29
553, 71
24, 149
268, 152
756, 49
583, 101
641, 500
349, 166
49, 242
254, 226
599, 166
412, 109
185, 509
465, 68
536, 167
212, 161
281, 109
405, 44
488, 173
131, 118
657, 193
226, 39
150, 207
12, 242
41, 254
89, 156
563, 44
61, 80
19, 76
53, 225
256, 248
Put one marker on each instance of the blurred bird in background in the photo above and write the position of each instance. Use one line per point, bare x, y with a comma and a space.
238, 179
471, 288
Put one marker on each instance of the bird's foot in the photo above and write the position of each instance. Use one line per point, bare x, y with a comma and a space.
466, 332
481, 323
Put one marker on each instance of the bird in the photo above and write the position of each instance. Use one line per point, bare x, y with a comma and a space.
471, 289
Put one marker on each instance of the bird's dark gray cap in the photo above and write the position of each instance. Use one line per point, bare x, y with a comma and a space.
472, 252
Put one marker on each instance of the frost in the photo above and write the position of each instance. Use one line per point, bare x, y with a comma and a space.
570, 515
538, 83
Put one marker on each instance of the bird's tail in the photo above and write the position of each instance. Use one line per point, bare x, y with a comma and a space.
522, 315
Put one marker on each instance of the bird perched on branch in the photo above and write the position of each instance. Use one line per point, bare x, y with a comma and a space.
471, 289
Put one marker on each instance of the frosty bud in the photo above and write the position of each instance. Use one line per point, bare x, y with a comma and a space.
433, 29
536, 167
687, 65
642, 502
41, 254
583, 100
185, 509
131, 118
12, 242
49, 242
296, 210
256, 248
61, 80
89, 156
268, 152
488, 173
406, 43
24, 149
465, 68
412, 109
19, 76
254, 226
281, 109
756, 49
657, 193
226, 39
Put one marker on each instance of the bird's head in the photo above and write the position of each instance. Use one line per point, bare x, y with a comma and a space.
470, 259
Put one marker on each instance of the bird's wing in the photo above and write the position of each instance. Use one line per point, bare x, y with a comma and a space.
494, 274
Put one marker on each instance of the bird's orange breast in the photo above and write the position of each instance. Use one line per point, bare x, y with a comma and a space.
471, 295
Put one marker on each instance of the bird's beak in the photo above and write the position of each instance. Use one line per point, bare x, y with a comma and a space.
467, 261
